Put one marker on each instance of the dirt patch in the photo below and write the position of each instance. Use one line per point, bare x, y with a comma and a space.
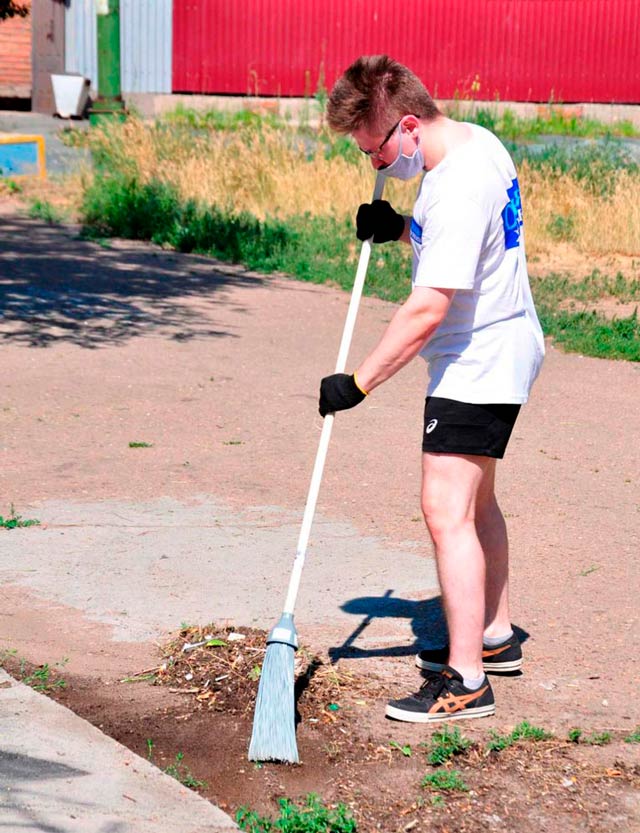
198, 701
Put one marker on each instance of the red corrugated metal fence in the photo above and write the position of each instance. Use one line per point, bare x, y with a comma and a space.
519, 50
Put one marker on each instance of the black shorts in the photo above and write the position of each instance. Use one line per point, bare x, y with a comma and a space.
452, 427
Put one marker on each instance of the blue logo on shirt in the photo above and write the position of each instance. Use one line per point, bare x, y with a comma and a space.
415, 232
512, 216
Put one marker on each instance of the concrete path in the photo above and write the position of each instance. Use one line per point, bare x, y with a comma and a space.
144, 567
59, 774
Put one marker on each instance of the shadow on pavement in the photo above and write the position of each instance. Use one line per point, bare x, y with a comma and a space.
427, 623
16, 767
56, 287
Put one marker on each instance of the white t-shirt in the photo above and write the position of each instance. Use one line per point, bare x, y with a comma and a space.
467, 235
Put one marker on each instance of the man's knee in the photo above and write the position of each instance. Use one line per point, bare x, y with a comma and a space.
442, 519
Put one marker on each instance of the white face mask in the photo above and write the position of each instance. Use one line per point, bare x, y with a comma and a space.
404, 167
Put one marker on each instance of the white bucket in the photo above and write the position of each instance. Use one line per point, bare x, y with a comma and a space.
70, 93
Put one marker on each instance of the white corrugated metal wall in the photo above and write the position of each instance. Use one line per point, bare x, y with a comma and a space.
80, 50
145, 43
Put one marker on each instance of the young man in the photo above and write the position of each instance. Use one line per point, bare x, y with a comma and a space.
471, 316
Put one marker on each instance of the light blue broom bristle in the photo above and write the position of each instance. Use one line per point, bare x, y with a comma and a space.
274, 722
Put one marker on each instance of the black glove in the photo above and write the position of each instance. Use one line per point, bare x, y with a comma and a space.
378, 220
339, 392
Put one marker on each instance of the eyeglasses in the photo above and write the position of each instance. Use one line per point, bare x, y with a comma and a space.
375, 154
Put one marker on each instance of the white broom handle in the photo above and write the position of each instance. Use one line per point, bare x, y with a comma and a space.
325, 436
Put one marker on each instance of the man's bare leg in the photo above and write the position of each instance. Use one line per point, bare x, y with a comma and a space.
450, 487
492, 533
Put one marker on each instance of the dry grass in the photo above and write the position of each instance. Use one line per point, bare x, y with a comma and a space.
274, 172
599, 226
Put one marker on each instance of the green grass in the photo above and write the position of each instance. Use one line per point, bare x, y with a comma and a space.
316, 249
554, 288
44, 210
508, 125
594, 164
592, 334
586, 330
446, 743
220, 120
134, 444
553, 122
523, 731
310, 817
634, 737
444, 780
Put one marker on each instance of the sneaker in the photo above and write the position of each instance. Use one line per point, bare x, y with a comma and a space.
441, 697
500, 659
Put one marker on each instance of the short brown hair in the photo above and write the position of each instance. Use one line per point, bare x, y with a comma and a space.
374, 92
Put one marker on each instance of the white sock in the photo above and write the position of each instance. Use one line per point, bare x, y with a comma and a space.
492, 641
473, 683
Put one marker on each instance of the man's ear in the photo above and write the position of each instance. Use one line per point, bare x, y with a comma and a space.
410, 124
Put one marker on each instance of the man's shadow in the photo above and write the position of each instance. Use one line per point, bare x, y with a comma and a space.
427, 623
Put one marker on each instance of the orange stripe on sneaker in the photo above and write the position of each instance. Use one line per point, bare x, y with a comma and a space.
492, 652
451, 703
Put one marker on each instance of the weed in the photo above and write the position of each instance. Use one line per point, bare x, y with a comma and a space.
140, 445
183, 774
177, 769
44, 210
40, 680
592, 569
594, 739
445, 744
14, 521
406, 749
523, 731
634, 737
311, 817
444, 780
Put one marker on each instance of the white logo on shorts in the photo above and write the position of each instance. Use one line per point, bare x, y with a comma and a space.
431, 425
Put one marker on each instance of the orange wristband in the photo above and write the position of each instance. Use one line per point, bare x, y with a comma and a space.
361, 389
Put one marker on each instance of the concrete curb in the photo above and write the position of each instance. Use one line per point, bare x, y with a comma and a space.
60, 774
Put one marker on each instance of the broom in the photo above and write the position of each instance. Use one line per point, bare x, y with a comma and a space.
274, 732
